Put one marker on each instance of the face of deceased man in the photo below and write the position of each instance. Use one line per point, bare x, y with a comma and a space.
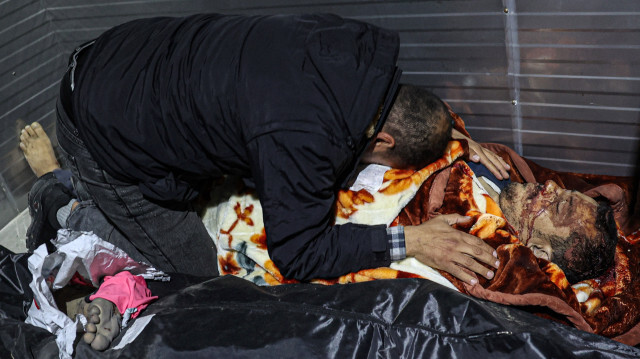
545, 213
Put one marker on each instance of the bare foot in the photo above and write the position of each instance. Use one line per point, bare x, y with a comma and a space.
37, 149
103, 323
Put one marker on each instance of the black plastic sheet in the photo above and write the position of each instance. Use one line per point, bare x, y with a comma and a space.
15, 295
229, 317
18, 339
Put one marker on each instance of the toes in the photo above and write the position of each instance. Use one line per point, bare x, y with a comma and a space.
38, 130
100, 343
93, 314
88, 337
25, 139
29, 130
103, 324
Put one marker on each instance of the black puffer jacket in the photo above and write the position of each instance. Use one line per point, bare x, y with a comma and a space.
281, 100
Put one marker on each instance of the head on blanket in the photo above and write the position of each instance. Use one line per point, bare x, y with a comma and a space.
565, 227
416, 132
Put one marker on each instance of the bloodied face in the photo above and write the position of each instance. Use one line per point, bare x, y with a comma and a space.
562, 226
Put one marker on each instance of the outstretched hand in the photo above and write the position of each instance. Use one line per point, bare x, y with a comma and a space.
477, 153
438, 245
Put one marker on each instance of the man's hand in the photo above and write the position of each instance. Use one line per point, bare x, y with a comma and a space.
477, 153
439, 246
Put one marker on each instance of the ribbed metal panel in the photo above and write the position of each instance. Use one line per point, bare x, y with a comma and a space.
580, 83
29, 68
557, 80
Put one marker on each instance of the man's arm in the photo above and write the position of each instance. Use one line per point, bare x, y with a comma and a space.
295, 173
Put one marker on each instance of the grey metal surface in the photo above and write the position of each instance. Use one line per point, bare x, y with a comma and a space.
557, 80
29, 69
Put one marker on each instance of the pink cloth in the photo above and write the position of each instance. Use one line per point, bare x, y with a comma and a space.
126, 291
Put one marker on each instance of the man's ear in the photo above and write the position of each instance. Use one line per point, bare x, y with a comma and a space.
384, 142
542, 249
379, 150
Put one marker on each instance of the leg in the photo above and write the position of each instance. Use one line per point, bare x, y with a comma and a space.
171, 239
86, 216
47, 194
37, 149
47, 197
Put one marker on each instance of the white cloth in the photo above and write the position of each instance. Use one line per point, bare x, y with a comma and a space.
92, 258
370, 178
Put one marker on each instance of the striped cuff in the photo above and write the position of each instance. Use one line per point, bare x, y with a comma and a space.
398, 249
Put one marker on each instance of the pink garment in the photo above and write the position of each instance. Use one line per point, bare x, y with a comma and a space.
126, 291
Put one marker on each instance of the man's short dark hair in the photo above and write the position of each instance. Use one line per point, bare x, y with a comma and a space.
586, 258
421, 126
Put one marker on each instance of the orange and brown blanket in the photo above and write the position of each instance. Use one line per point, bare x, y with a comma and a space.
608, 305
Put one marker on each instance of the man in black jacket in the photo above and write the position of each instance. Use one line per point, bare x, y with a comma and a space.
153, 110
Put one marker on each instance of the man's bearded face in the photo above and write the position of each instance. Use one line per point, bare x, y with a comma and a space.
541, 211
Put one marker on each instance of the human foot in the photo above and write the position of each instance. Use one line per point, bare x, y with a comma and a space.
103, 323
37, 149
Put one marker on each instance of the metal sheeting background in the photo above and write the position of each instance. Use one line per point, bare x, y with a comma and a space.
559, 81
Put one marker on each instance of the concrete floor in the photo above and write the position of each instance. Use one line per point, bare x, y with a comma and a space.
13, 235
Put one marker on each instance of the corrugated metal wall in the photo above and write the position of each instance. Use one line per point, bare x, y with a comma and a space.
557, 80
30, 66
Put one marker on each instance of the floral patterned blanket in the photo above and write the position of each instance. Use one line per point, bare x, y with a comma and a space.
236, 225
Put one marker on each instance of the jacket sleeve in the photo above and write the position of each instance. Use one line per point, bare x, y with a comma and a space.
295, 175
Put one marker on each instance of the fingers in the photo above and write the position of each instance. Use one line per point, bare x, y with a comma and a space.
494, 163
471, 245
464, 260
452, 219
475, 248
436, 244
466, 267
462, 274
497, 171
504, 163
500, 164
477, 153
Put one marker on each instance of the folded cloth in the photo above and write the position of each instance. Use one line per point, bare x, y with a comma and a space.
126, 291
